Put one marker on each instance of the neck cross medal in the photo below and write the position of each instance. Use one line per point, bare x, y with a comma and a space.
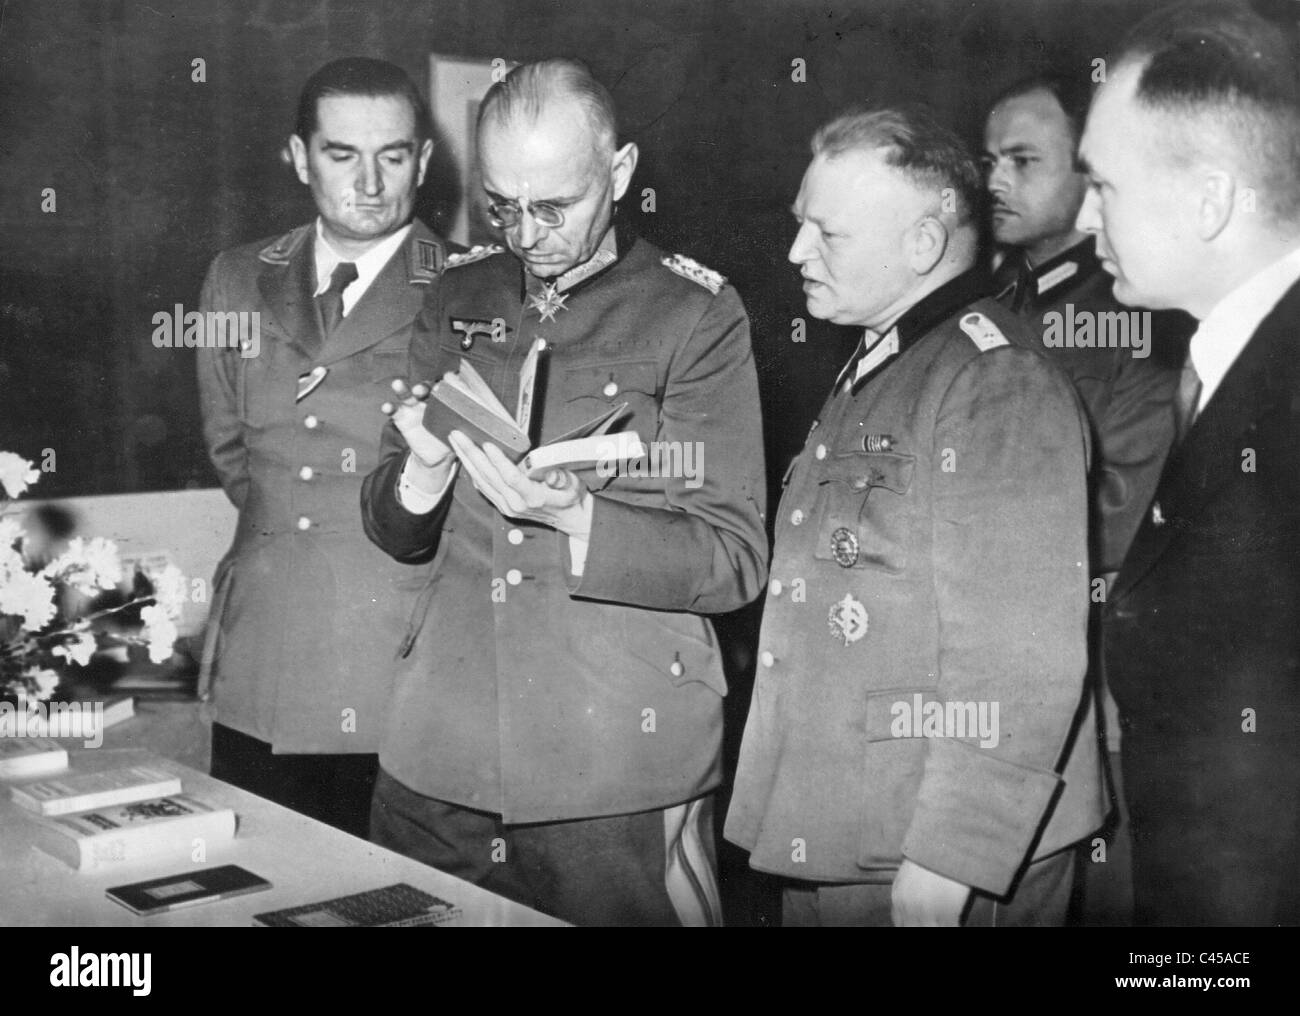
548, 301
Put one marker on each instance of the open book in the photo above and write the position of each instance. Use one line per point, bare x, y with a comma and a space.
462, 400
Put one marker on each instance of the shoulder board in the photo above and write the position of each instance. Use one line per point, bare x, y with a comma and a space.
278, 252
696, 272
983, 332
476, 253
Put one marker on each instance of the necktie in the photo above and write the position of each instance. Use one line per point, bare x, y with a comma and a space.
1189, 394
331, 301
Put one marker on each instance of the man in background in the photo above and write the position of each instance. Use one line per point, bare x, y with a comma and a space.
555, 733
307, 614
1194, 196
919, 748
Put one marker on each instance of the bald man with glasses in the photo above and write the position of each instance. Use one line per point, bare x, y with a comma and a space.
556, 727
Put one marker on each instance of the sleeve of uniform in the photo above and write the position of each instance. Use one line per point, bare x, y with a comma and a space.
407, 536
1134, 435
1010, 565
707, 550
217, 368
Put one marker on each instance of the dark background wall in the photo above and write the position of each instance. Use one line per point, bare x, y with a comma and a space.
154, 173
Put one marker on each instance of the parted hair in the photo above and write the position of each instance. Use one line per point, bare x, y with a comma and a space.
364, 76
912, 141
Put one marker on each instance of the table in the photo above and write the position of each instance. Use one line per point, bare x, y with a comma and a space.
305, 861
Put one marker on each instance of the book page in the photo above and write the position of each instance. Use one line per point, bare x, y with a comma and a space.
527, 387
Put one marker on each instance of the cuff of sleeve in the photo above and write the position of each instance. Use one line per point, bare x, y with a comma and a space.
577, 555
977, 815
417, 501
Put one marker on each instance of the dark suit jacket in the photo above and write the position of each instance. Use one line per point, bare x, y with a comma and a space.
1202, 633
307, 614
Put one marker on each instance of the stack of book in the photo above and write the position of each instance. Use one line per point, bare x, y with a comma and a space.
95, 816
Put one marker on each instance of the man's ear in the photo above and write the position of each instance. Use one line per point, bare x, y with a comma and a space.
299, 152
622, 167
426, 150
927, 244
1215, 202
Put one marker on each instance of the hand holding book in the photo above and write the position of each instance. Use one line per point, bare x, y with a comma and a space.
427, 450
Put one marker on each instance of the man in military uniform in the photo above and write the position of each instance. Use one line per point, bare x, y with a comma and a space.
306, 612
556, 733
1051, 274
919, 745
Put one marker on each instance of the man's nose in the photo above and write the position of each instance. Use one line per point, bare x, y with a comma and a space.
529, 231
1089, 218
998, 184
801, 249
370, 181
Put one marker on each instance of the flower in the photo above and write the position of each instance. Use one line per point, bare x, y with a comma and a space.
161, 632
79, 650
87, 565
16, 473
30, 595
171, 590
11, 531
46, 681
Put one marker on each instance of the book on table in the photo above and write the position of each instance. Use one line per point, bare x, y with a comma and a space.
82, 791
22, 757
163, 828
462, 400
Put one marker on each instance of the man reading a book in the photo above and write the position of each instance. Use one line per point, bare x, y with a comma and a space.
555, 729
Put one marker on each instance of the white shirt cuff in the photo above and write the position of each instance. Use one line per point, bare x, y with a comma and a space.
417, 501
577, 555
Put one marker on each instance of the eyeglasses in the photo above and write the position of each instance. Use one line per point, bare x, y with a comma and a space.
507, 214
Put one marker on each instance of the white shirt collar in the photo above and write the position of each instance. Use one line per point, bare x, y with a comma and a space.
1224, 332
369, 265
878, 350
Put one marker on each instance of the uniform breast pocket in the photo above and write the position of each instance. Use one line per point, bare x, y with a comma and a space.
588, 390
866, 510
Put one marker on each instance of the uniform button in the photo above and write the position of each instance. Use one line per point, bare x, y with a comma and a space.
318, 371
676, 668
767, 659
304, 522
610, 390
514, 576
305, 473
310, 422
796, 517
515, 536
821, 452
776, 587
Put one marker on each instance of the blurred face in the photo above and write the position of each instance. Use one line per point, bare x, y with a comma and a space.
856, 216
363, 165
1139, 206
554, 161
1031, 177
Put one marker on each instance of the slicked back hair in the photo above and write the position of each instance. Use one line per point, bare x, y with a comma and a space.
912, 141
527, 90
1222, 65
1072, 95
363, 76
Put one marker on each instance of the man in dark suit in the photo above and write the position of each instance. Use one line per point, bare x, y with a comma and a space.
1190, 149
307, 614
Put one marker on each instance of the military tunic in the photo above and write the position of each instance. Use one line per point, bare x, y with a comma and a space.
307, 613
930, 551
533, 693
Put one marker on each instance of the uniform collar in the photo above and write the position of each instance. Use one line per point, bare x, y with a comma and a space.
1039, 282
369, 264
613, 246
915, 323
